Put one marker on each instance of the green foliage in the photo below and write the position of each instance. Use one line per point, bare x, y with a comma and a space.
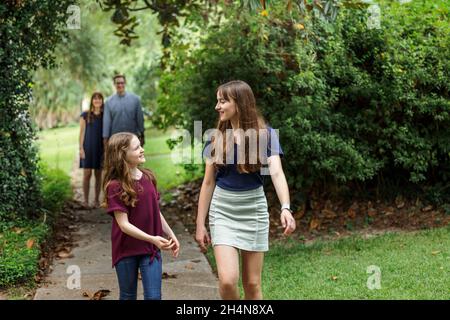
56, 189
87, 59
29, 31
20, 239
81, 70
18, 262
353, 104
168, 12
159, 160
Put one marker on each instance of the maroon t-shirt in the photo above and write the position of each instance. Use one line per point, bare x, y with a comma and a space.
145, 216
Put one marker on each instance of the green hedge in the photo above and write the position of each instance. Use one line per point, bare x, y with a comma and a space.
355, 106
56, 189
29, 31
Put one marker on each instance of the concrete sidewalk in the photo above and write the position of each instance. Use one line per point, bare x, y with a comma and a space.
92, 254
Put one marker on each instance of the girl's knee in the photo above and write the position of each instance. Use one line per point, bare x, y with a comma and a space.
252, 285
228, 282
87, 174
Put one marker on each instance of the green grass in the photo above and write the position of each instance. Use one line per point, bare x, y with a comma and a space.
158, 159
155, 142
412, 265
168, 175
58, 147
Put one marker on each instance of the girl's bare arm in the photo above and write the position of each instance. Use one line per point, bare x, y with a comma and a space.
135, 232
282, 189
204, 200
81, 139
166, 228
206, 191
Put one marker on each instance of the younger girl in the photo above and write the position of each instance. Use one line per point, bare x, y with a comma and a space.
138, 226
233, 193
91, 146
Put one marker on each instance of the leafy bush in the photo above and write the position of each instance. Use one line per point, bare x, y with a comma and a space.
29, 31
56, 189
353, 104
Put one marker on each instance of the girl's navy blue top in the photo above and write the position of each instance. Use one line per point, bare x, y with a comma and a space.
228, 176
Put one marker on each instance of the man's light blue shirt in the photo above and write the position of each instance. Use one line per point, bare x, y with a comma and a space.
123, 113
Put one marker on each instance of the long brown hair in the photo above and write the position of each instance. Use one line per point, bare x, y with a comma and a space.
249, 117
90, 113
117, 168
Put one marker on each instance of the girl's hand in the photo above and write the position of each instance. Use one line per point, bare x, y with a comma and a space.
176, 247
288, 222
202, 237
82, 154
162, 243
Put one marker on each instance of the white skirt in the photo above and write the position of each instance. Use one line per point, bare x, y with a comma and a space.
239, 219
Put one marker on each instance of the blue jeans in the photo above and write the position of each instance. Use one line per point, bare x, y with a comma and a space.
151, 273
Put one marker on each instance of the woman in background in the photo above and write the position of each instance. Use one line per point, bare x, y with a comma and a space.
91, 146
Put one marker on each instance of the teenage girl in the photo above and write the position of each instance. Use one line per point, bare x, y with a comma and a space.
233, 195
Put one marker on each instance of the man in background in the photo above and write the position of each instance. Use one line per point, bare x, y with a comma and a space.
123, 112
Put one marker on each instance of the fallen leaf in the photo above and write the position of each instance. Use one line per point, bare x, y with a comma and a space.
65, 255
351, 213
334, 278
18, 230
30, 243
299, 26
196, 260
299, 214
165, 275
427, 208
371, 212
435, 252
329, 213
87, 294
399, 202
400, 205
100, 294
43, 263
189, 266
314, 224
389, 211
